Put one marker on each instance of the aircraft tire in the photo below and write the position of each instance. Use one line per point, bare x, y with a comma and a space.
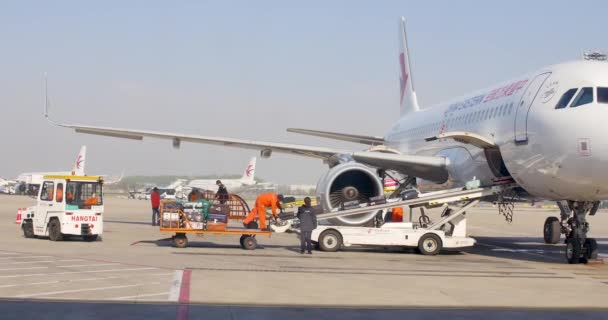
591, 249
551, 230
573, 251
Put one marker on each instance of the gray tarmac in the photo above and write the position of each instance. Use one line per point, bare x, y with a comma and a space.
133, 272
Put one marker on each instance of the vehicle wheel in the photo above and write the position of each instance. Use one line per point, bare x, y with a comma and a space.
591, 250
180, 240
28, 229
249, 243
429, 244
552, 230
241, 241
90, 238
316, 245
573, 251
330, 241
55, 230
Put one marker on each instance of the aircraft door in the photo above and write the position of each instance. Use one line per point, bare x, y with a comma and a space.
523, 108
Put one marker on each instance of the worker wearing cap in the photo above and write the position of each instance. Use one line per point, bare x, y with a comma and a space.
263, 201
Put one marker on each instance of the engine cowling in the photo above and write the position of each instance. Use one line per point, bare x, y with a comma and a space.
347, 182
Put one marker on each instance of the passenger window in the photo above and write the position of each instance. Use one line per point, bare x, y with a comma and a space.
47, 191
510, 107
565, 99
59, 195
584, 97
602, 95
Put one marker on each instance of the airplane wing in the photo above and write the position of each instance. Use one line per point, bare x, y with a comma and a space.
265, 147
426, 167
369, 140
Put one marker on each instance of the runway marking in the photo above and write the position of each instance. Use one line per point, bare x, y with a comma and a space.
50, 293
28, 284
480, 274
176, 285
45, 261
420, 270
27, 268
160, 274
140, 296
55, 281
74, 272
88, 265
24, 257
184, 296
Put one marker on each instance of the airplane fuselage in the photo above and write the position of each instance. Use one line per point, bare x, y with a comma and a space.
551, 153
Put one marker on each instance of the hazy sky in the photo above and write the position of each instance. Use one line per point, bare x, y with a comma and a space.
250, 69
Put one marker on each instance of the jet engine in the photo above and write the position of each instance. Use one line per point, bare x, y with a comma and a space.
345, 182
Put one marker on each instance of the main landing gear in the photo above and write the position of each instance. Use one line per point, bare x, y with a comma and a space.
573, 224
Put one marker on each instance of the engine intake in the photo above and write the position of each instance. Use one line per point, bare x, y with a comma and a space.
346, 182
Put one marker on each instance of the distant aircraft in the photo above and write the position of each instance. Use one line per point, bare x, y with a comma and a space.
7, 186
30, 181
544, 130
248, 179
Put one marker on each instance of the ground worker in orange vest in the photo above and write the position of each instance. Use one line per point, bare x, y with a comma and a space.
263, 201
397, 214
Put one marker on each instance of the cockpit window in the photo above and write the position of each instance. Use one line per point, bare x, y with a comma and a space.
583, 97
565, 99
602, 95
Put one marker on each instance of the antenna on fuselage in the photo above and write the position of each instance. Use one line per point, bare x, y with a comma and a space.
595, 55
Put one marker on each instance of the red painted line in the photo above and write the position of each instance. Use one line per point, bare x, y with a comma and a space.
184, 296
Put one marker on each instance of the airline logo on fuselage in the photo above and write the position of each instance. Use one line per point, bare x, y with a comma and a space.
249, 170
404, 75
495, 94
79, 160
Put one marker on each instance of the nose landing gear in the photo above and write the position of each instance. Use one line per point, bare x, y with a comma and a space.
574, 225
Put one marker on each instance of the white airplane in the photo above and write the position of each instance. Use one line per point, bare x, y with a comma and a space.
31, 180
545, 130
7, 186
248, 179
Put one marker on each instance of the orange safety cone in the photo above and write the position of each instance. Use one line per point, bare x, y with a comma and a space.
19, 213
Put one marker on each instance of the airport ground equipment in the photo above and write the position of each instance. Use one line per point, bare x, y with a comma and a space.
174, 220
426, 236
67, 205
238, 206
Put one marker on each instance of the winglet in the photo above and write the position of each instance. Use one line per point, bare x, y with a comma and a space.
408, 100
47, 102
